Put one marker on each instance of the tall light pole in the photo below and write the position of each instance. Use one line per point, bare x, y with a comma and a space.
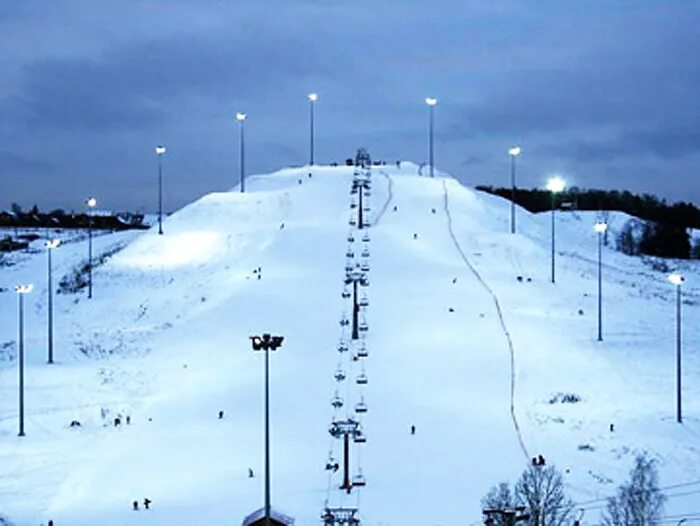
431, 102
267, 343
21, 291
50, 246
677, 279
241, 117
555, 185
91, 203
513, 152
600, 227
313, 97
160, 151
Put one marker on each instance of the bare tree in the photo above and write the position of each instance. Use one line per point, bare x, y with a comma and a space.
499, 498
638, 502
541, 490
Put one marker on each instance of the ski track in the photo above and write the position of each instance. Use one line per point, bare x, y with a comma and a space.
388, 200
497, 304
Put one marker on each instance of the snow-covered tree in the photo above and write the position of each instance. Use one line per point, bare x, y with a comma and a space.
638, 502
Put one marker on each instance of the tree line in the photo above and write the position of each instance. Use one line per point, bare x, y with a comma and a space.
662, 229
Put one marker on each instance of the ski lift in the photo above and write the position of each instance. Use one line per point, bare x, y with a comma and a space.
365, 252
361, 379
361, 407
351, 238
364, 301
353, 221
342, 346
359, 480
349, 253
365, 237
337, 402
364, 266
360, 437
366, 208
348, 267
346, 293
362, 352
340, 375
344, 322
353, 205
363, 327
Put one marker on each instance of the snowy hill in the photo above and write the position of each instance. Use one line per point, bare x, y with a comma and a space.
473, 357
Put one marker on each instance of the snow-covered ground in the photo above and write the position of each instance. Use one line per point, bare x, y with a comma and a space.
455, 338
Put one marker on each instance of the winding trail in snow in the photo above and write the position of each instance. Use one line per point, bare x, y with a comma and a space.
388, 200
497, 304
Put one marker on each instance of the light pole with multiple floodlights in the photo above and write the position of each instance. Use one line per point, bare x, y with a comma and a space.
677, 279
241, 117
600, 227
431, 102
555, 185
91, 204
51, 244
513, 152
267, 343
160, 151
313, 97
21, 291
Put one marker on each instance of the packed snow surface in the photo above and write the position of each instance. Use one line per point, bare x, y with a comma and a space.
469, 342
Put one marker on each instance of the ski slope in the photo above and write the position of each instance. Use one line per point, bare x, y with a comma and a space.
459, 347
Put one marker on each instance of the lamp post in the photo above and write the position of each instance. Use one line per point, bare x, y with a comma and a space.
431, 102
91, 203
555, 185
513, 152
677, 279
50, 246
241, 117
600, 227
313, 97
160, 151
21, 291
267, 343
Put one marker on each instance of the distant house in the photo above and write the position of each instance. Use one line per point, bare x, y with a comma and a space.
257, 518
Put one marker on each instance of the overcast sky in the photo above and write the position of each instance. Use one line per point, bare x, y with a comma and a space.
606, 93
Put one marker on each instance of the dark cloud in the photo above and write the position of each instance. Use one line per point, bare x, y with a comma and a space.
89, 87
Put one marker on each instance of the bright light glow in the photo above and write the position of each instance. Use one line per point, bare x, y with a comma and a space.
24, 289
556, 184
240, 117
53, 243
600, 227
676, 278
431, 101
91, 202
313, 97
177, 249
514, 151
160, 150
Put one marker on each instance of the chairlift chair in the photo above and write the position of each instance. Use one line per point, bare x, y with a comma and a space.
365, 252
342, 346
346, 293
362, 352
337, 402
364, 266
364, 301
359, 480
365, 237
340, 375
353, 221
361, 407
361, 379
363, 327
360, 438
344, 322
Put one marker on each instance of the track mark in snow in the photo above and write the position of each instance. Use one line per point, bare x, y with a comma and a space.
500, 318
388, 200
